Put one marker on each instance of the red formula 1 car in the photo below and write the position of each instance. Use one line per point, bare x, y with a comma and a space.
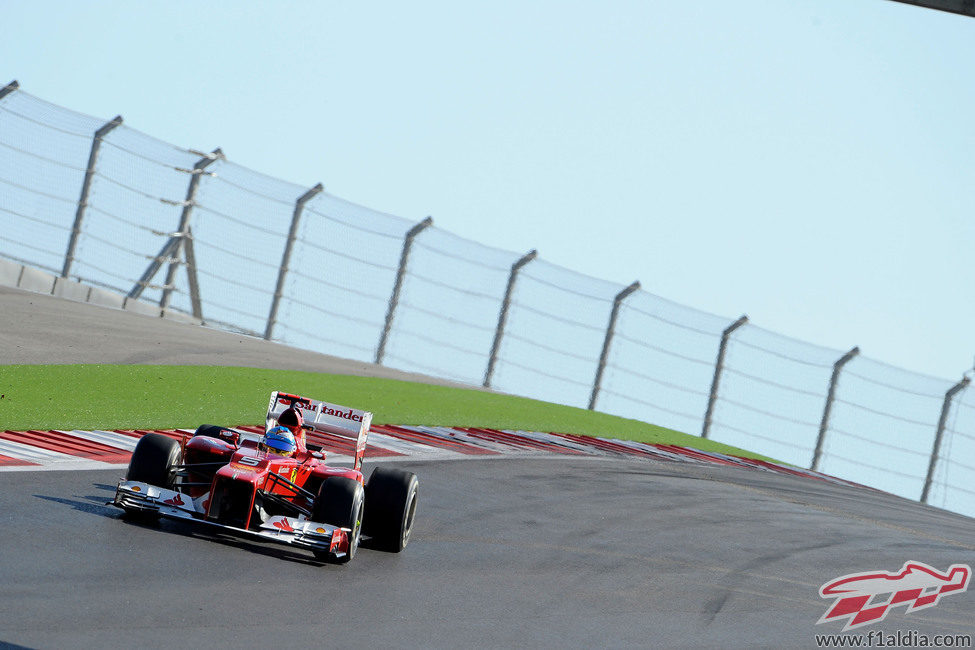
231, 480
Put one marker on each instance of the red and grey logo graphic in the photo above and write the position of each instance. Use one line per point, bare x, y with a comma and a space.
284, 525
865, 598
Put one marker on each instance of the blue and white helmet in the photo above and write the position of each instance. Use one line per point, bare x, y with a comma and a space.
280, 440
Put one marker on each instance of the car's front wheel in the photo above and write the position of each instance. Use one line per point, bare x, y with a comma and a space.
339, 503
154, 461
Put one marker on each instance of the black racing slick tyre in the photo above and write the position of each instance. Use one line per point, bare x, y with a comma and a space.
154, 461
214, 431
339, 503
211, 430
391, 498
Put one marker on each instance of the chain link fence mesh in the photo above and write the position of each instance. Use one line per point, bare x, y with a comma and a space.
448, 308
133, 209
661, 362
337, 297
342, 269
555, 331
773, 394
43, 157
883, 426
240, 227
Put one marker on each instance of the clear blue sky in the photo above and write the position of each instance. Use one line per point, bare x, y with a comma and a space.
807, 162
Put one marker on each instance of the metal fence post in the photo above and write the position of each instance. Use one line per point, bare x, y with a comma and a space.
195, 302
166, 253
610, 330
718, 367
184, 218
286, 257
169, 251
503, 315
830, 394
942, 422
9, 88
79, 214
394, 298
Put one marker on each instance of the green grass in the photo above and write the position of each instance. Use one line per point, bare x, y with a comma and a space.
158, 397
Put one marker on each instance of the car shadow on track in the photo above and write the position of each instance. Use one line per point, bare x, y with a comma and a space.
94, 505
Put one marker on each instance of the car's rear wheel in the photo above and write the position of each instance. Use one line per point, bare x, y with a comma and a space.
154, 461
211, 430
339, 503
391, 499
214, 431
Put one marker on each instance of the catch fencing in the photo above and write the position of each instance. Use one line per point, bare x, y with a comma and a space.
190, 231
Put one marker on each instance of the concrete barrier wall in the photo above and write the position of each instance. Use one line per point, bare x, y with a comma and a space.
28, 278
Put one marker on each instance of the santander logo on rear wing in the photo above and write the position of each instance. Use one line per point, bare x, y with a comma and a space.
324, 417
865, 598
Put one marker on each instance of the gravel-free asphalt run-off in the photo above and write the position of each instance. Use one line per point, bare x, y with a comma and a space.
554, 551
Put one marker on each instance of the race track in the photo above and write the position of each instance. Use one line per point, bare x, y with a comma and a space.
41, 329
551, 552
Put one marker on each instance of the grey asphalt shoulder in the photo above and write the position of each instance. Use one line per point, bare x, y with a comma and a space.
43, 329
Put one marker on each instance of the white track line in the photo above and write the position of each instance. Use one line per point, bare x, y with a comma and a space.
66, 465
32, 454
119, 441
407, 447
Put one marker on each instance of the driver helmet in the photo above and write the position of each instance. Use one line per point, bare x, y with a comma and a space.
279, 440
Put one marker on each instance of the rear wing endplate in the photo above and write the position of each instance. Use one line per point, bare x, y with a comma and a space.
324, 417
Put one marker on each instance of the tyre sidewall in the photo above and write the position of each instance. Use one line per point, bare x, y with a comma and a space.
340, 503
154, 461
391, 499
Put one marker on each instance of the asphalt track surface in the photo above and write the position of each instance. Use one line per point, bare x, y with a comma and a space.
42, 329
554, 552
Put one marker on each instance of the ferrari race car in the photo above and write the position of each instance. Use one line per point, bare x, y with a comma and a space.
238, 482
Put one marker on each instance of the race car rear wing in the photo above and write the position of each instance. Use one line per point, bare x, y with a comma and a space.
320, 416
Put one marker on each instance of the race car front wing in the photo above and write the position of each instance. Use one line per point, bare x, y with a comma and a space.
133, 496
